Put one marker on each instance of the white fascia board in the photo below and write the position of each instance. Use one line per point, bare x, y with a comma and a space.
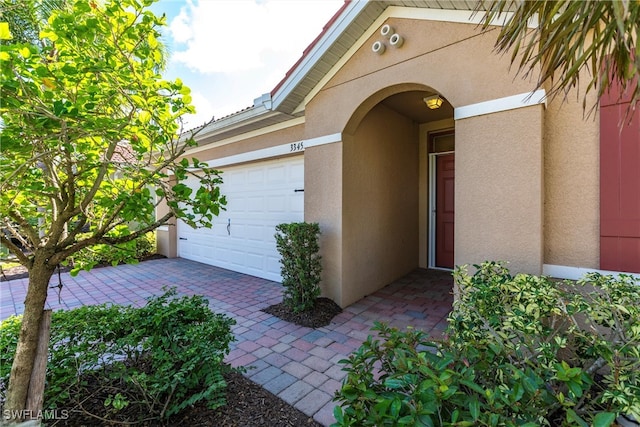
234, 120
501, 104
342, 22
466, 16
251, 134
296, 147
576, 273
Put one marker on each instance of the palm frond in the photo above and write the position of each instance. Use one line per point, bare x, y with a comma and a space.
573, 40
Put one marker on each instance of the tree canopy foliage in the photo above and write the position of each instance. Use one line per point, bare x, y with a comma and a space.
91, 143
571, 37
91, 132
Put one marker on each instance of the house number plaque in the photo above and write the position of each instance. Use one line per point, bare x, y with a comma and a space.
296, 146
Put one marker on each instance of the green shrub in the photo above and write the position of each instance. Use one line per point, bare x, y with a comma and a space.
521, 350
124, 253
298, 246
164, 356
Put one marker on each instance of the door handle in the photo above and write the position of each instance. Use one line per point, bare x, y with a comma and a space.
182, 238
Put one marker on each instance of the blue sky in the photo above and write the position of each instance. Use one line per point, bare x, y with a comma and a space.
230, 52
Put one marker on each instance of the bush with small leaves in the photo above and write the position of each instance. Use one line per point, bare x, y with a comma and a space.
124, 253
162, 357
298, 246
521, 351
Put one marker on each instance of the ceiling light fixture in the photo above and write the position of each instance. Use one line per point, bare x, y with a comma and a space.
433, 102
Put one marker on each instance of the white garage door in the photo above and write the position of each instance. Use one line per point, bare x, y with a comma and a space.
259, 196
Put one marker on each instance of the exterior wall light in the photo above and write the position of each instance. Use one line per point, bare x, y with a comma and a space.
386, 30
433, 102
378, 47
396, 40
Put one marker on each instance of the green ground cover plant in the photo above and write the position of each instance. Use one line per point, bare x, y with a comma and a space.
154, 360
521, 351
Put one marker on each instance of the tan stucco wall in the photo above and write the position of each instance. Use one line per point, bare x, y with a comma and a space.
451, 58
166, 237
572, 185
323, 204
499, 189
380, 203
271, 139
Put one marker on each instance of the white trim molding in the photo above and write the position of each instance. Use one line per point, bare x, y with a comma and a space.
251, 134
575, 273
501, 104
322, 140
292, 148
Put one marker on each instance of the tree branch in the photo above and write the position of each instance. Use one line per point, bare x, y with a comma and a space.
61, 255
14, 249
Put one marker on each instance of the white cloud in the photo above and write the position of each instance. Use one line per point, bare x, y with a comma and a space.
229, 36
180, 29
204, 111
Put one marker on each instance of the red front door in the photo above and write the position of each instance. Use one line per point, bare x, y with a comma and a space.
445, 179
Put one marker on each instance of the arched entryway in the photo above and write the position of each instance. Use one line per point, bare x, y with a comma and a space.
398, 175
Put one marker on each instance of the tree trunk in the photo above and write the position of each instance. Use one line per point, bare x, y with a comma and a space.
35, 396
39, 275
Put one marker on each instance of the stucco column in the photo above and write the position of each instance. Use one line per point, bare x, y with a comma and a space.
499, 190
323, 204
166, 236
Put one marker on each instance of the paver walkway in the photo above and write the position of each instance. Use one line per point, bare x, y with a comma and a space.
298, 364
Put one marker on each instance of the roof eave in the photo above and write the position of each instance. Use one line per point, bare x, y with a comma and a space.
339, 23
261, 114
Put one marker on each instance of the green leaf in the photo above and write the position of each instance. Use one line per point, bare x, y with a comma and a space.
474, 407
144, 116
5, 33
69, 69
424, 420
394, 383
395, 408
573, 418
604, 419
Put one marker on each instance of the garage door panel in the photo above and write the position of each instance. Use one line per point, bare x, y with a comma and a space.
255, 176
273, 265
277, 204
276, 175
259, 197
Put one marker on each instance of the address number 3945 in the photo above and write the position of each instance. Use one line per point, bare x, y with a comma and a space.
296, 146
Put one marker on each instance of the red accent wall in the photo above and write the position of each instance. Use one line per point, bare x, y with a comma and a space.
619, 184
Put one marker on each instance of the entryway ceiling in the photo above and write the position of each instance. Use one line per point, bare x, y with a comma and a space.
411, 104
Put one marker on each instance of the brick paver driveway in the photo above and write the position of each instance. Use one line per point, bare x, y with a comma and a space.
298, 364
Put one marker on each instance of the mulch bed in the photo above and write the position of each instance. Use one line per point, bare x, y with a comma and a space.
248, 404
321, 314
